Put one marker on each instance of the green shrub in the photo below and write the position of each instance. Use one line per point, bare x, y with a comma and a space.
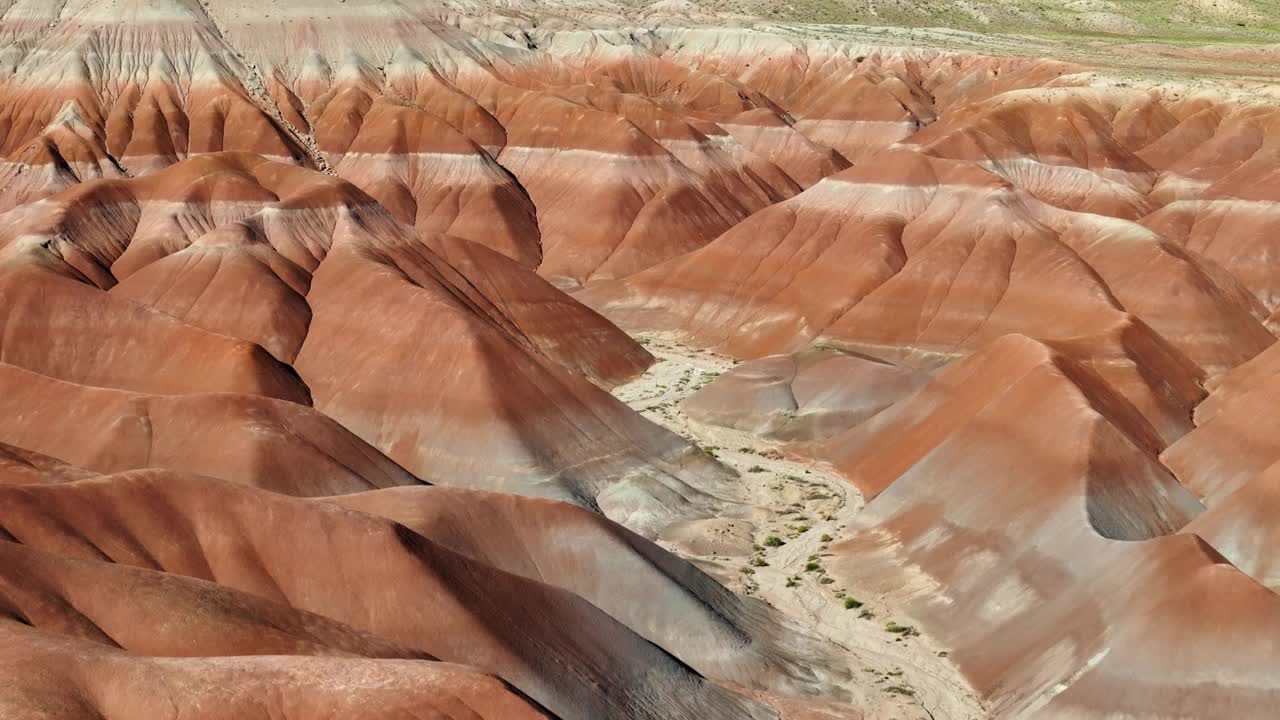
900, 690
850, 603
825, 538
774, 541
903, 630
810, 567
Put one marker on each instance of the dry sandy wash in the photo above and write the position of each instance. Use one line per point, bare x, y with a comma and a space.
499, 360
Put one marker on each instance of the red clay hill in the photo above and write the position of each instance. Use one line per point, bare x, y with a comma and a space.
595, 361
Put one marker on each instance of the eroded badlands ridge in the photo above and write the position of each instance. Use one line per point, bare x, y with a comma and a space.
311, 313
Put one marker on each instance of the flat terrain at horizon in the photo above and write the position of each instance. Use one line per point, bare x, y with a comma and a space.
1201, 21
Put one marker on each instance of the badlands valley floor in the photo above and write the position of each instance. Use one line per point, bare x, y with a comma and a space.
472, 359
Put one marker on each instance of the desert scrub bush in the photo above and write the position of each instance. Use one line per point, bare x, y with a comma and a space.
792, 582
827, 580
851, 603
759, 562
710, 451
774, 541
866, 615
825, 538
900, 690
903, 630
812, 567
755, 469
746, 570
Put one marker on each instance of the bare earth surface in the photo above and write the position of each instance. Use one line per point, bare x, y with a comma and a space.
805, 504
670, 360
